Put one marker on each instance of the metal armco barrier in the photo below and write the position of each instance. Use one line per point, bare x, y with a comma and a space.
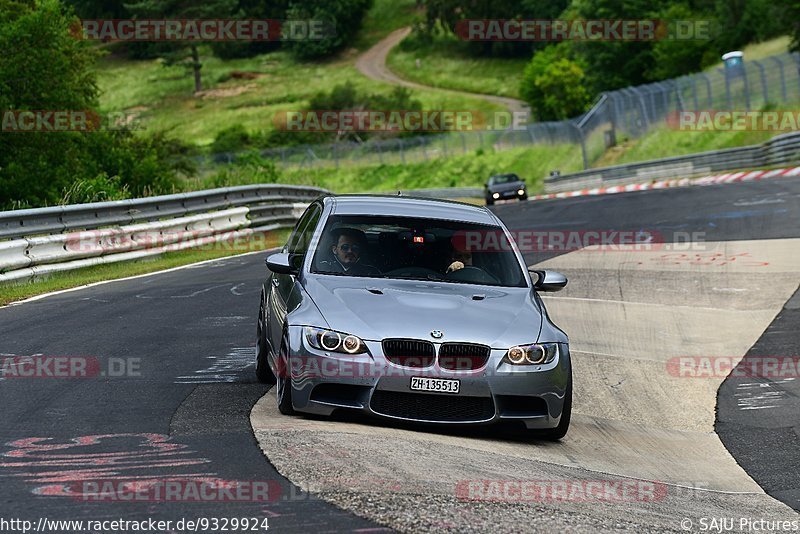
780, 150
39, 241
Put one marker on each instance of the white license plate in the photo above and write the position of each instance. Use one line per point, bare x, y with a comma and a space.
440, 385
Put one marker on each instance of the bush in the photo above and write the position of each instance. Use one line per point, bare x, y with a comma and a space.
101, 188
249, 169
232, 139
42, 169
343, 97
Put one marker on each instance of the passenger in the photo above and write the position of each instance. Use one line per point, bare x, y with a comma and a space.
348, 244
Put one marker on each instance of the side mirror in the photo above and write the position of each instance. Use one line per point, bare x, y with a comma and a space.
281, 264
549, 280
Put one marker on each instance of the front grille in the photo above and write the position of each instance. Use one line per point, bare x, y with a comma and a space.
463, 356
423, 407
409, 352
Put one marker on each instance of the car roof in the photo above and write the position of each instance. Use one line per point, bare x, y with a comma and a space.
400, 206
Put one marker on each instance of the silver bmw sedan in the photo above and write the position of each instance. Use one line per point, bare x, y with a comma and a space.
416, 310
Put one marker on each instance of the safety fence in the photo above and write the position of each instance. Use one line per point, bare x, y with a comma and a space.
626, 113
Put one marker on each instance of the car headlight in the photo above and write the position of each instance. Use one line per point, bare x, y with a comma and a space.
521, 191
496, 195
536, 354
332, 341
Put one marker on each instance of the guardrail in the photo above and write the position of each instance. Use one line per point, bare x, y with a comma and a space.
780, 150
44, 240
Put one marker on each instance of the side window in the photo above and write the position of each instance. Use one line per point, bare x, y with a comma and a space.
294, 239
301, 239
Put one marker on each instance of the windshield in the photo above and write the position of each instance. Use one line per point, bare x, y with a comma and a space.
505, 179
417, 249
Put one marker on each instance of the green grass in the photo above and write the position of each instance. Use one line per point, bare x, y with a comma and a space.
772, 47
163, 101
444, 65
471, 170
162, 96
14, 291
665, 142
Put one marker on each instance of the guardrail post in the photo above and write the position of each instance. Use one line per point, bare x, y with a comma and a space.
782, 76
679, 105
709, 92
764, 89
643, 105
746, 88
695, 102
796, 58
663, 87
583, 145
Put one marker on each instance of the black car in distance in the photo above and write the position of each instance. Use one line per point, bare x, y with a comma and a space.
505, 187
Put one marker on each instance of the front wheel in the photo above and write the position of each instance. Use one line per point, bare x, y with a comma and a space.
283, 389
263, 373
489, 201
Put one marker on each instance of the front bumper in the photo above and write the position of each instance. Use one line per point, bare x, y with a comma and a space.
506, 195
325, 382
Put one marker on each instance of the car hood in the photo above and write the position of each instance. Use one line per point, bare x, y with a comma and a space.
374, 309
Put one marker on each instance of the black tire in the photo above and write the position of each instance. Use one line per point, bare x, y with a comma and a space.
489, 201
523, 197
560, 431
283, 388
263, 373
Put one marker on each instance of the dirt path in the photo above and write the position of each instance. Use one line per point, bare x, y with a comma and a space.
372, 64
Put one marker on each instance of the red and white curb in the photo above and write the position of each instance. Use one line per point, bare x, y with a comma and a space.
746, 176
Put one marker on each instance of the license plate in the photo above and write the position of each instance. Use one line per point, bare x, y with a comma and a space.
440, 385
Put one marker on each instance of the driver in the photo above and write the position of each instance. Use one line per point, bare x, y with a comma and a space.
459, 260
348, 243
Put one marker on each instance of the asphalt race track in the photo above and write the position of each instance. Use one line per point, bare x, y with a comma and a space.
192, 330
182, 409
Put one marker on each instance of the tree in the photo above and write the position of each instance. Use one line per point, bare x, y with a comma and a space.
184, 10
343, 16
673, 58
447, 14
554, 85
794, 15
45, 68
42, 67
